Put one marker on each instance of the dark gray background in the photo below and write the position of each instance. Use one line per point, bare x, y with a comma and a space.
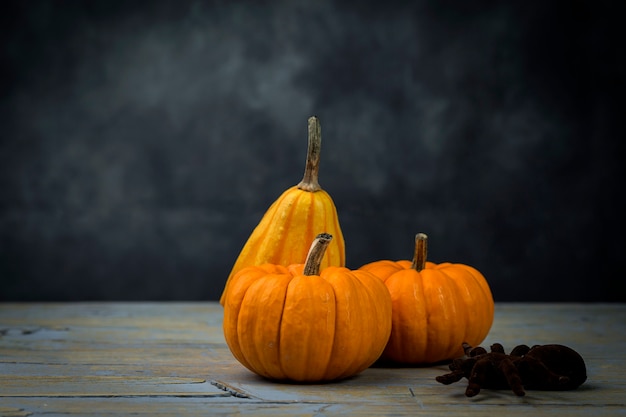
142, 141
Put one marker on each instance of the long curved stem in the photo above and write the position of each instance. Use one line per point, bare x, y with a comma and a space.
421, 249
316, 253
311, 171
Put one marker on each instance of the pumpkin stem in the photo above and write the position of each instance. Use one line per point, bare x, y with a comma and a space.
309, 181
419, 258
316, 253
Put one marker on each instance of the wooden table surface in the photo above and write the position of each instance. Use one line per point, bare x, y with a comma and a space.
170, 359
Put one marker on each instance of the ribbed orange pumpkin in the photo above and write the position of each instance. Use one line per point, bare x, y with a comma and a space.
283, 235
436, 307
297, 324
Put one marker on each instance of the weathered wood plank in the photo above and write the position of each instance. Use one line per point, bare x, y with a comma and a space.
383, 386
171, 359
158, 406
106, 386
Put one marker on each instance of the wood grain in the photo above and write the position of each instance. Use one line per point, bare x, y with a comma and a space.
170, 359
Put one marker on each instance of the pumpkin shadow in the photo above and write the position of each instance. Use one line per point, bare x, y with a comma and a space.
385, 363
290, 382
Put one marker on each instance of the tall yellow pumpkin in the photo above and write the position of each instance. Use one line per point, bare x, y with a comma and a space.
292, 222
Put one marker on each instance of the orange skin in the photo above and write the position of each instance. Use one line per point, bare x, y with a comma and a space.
435, 309
284, 325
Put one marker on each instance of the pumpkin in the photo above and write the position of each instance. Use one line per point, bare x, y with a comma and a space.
436, 307
294, 323
284, 234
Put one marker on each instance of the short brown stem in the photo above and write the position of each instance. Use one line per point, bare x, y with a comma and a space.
316, 253
310, 180
419, 258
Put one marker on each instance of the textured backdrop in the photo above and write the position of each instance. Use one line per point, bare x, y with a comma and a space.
142, 141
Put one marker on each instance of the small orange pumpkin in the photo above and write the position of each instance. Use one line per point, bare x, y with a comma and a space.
285, 231
295, 323
436, 307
